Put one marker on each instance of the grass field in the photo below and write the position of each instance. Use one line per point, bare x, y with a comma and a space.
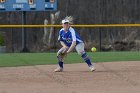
25, 59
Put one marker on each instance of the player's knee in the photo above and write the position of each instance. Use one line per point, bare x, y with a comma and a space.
60, 58
81, 52
59, 52
85, 56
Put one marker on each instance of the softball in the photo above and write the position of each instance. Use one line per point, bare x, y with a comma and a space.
93, 49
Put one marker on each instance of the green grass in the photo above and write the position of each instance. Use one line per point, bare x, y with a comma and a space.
25, 59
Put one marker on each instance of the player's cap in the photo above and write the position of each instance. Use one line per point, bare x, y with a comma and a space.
65, 21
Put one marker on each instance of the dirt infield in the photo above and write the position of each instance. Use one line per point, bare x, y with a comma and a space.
110, 77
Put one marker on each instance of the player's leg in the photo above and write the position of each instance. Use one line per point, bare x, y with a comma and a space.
80, 50
60, 60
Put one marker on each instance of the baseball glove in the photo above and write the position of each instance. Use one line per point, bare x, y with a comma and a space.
63, 54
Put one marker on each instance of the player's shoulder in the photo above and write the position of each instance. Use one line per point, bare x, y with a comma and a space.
71, 29
61, 30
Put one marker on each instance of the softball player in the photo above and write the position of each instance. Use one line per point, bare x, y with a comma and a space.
69, 40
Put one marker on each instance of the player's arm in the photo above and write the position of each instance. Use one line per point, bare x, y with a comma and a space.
73, 41
63, 44
61, 41
71, 47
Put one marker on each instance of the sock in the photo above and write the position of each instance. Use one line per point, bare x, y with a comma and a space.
60, 64
86, 59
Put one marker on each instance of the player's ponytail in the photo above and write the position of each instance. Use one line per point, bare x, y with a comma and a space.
70, 18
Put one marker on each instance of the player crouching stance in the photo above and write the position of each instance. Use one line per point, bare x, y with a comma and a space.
69, 40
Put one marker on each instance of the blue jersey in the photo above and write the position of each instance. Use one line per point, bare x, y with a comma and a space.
69, 36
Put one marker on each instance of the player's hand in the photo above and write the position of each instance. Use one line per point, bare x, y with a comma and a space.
63, 54
65, 49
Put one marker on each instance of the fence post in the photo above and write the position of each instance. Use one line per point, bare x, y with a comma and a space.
24, 34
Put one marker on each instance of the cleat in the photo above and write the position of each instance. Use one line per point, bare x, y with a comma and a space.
92, 68
58, 69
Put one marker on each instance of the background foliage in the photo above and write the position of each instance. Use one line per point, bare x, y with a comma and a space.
84, 12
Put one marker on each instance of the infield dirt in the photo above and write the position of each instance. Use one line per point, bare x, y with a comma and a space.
110, 77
